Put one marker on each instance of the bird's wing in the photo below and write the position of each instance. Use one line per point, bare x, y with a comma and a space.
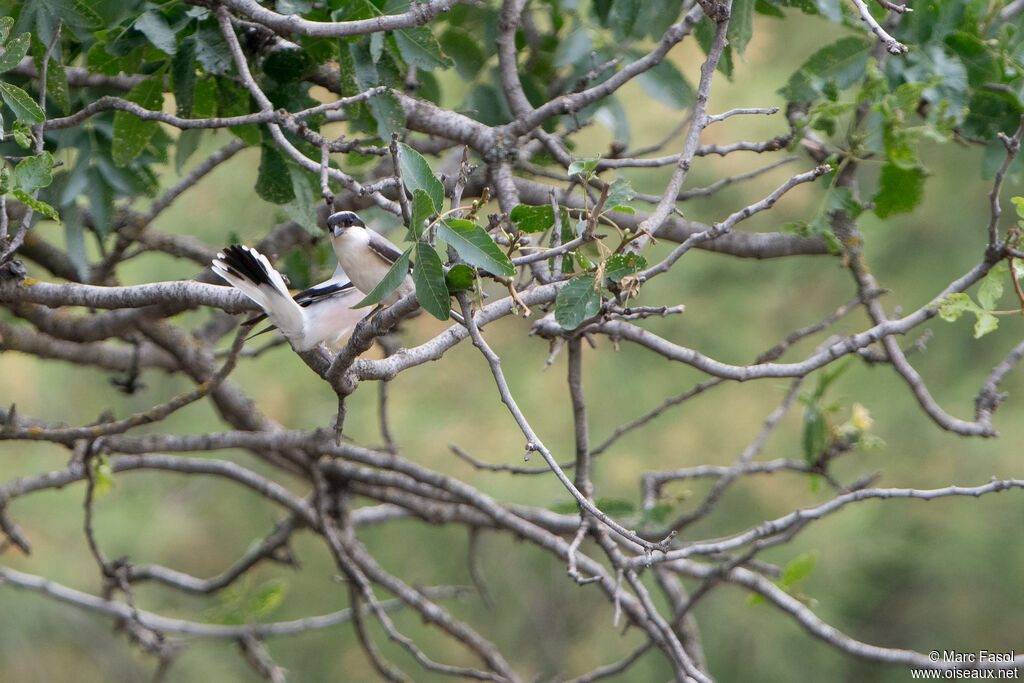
383, 247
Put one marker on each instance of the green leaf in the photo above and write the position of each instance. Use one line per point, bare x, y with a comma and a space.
619, 193
56, 76
899, 190
302, 208
422, 210
475, 246
666, 84
579, 300
985, 323
15, 52
991, 287
575, 48
34, 172
24, 107
656, 514
266, 599
975, 55
428, 276
131, 134
815, 437
183, 75
459, 278
799, 568
153, 25
212, 52
37, 205
741, 24
205, 98
416, 175
389, 282
288, 65
955, 305
532, 218
582, 167
615, 507
623, 265
5, 179
103, 475
419, 48
843, 63
188, 143
1018, 202
274, 182
6, 24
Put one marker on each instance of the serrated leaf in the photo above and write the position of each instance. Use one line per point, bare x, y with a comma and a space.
24, 107
900, 190
666, 84
532, 218
991, 287
623, 265
421, 210
475, 246
389, 282
34, 172
37, 205
985, 323
15, 52
416, 175
459, 278
419, 48
799, 568
842, 62
428, 276
153, 25
274, 182
131, 134
579, 300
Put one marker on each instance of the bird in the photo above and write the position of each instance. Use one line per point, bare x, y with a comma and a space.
364, 255
320, 314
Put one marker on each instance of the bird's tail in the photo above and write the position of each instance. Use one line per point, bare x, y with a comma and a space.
249, 271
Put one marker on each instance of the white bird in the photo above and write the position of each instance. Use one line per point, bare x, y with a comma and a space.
320, 314
365, 255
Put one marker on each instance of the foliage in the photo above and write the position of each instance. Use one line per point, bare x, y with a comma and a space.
474, 125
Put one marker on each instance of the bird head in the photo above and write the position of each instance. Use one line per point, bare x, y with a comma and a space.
341, 221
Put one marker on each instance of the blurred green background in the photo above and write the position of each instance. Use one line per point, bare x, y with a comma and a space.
928, 576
